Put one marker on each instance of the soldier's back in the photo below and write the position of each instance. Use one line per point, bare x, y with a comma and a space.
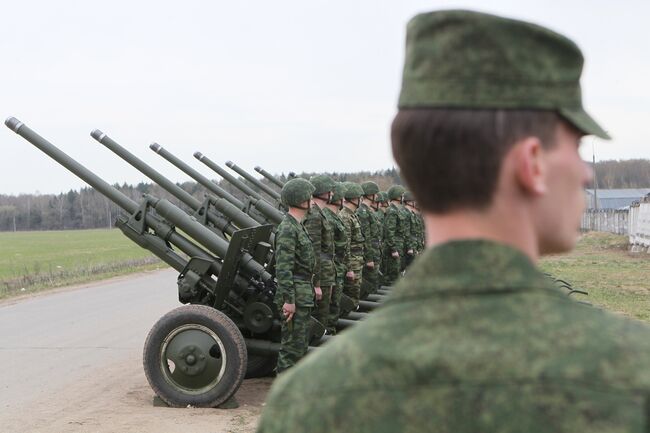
474, 339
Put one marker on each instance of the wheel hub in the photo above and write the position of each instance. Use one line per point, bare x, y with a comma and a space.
191, 358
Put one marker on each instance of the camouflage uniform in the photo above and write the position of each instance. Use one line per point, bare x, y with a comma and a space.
354, 254
488, 345
320, 232
294, 268
404, 230
393, 241
370, 231
340, 258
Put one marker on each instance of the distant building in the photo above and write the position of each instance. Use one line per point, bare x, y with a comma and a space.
615, 198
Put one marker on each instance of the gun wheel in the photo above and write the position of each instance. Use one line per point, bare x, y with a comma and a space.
195, 355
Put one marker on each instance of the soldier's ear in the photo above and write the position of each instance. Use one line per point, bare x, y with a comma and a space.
529, 166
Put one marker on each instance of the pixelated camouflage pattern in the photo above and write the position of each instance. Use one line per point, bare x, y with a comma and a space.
473, 339
354, 256
466, 59
392, 241
294, 264
320, 232
341, 250
294, 341
371, 253
370, 231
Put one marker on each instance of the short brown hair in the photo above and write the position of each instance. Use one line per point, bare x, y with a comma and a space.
451, 158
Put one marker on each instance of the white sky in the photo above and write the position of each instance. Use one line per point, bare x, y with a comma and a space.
290, 85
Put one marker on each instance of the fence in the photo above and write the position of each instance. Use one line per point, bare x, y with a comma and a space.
606, 220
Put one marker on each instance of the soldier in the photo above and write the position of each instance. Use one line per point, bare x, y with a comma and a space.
341, 249
379, 216
351, 199
416, 232
370, 231
407, 233
393, 238
294, 269
321, 233
416, 222
475, 337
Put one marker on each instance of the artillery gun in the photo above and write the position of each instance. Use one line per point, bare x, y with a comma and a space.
198, 354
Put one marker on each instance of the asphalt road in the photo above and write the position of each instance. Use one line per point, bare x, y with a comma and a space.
50, 342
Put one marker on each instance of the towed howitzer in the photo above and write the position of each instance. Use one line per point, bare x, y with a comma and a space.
269, 176
196, 354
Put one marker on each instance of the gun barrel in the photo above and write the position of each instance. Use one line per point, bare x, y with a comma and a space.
223, 173
130, 206
269, 176
77, 169
207, 183
218, 221
252, 180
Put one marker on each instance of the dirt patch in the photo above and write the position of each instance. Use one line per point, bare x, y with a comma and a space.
119, 399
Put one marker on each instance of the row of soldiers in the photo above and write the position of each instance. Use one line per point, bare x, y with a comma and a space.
356, 237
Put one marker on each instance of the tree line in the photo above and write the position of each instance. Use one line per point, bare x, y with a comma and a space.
630, 173
88, 209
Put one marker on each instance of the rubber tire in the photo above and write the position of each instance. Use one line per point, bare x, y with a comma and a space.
261, 366
234, 346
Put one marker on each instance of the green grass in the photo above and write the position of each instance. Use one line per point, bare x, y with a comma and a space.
615, 279
37, 260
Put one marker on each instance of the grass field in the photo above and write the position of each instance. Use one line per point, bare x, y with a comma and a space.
615, 279
31, 261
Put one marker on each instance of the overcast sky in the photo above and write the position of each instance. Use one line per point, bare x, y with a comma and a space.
289, 85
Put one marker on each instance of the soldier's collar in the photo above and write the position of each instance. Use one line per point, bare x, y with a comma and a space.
470, 266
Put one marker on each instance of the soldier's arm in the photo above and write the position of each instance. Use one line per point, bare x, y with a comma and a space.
314, 228
285, 257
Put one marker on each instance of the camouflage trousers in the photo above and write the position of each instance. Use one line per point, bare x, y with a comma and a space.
335, 310
352, 288
369, 280
322, 310
391, 268
295, 338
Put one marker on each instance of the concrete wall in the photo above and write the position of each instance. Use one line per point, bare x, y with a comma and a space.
606, 220
639, 231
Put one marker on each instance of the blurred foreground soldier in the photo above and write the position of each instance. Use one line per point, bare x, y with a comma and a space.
341, 250
352, 281
475, 338
321, 233
370, 231
393, 239
294, 270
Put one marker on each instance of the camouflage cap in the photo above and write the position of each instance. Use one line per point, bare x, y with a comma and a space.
370, 188
322, 183
382, 197
296, 191
352, 190
339, 192
395, 192
465, 59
